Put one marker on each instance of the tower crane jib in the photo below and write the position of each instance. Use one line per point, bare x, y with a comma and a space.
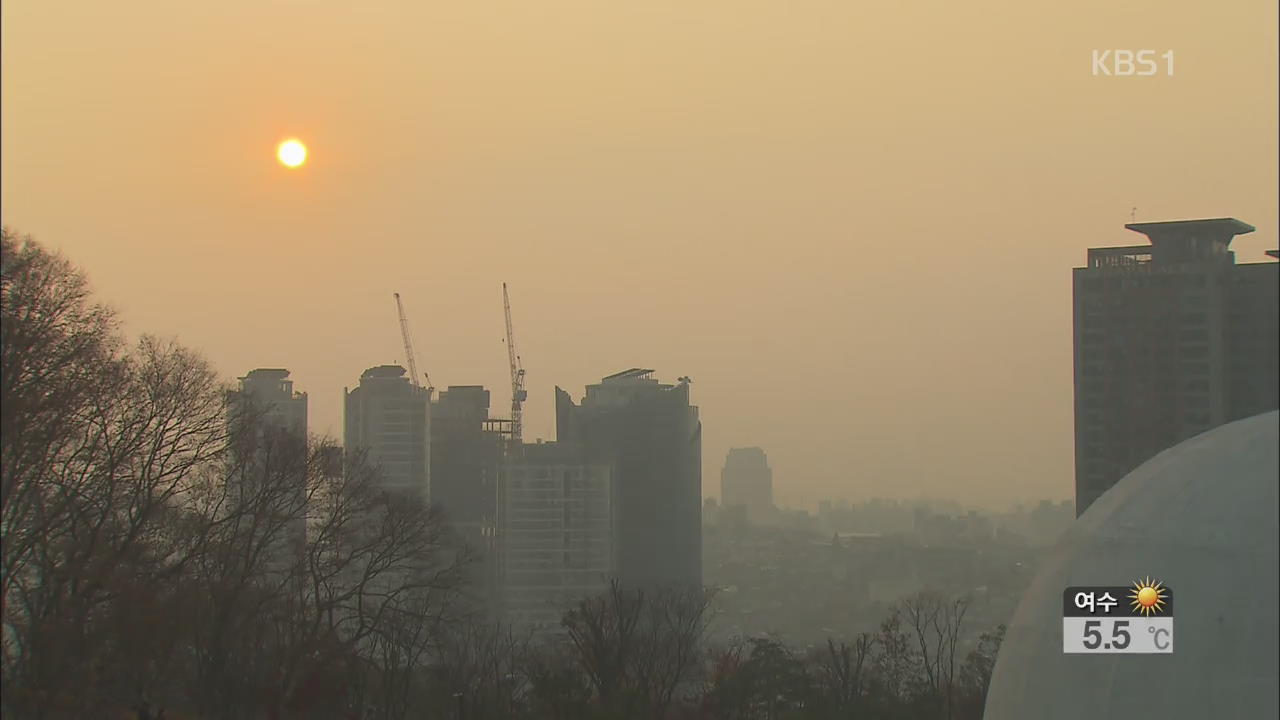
518, 393
408, 347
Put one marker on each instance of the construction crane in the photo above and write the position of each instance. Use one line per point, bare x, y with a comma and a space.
518, 393
408, 347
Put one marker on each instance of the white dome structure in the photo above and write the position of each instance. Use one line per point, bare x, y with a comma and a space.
1202, 518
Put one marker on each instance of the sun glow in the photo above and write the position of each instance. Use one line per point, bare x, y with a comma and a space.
292, 153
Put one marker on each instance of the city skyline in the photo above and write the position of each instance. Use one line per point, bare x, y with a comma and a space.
494, 423
852, 226
638, 361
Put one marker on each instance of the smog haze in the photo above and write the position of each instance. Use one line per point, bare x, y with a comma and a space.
851, 224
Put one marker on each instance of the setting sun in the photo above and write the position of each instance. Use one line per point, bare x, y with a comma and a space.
292, 153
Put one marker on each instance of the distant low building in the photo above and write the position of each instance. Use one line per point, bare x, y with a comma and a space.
889, 590
746, 481
797, 520
942, 529
710, 512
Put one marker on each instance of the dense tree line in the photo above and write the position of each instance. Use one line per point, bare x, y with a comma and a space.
164, 548
168, 554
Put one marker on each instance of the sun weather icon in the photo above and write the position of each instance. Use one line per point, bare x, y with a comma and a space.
1148, 596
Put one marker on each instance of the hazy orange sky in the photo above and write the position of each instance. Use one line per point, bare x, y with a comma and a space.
852, 223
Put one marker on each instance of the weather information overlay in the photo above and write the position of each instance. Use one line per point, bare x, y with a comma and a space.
1118, 619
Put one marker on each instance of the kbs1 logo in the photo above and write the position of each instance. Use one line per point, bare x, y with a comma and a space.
1132, 63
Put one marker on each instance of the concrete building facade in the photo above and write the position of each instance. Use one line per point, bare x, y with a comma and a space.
554, 534
746, 481
652, 438
268, 394
467, 449
389, 418
268, 425
1171, 339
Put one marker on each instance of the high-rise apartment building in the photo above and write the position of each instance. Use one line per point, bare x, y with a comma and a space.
746, 481
554, 534
467, 448
1171, 339
268, 394
268, 426
652, 438
389, 418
